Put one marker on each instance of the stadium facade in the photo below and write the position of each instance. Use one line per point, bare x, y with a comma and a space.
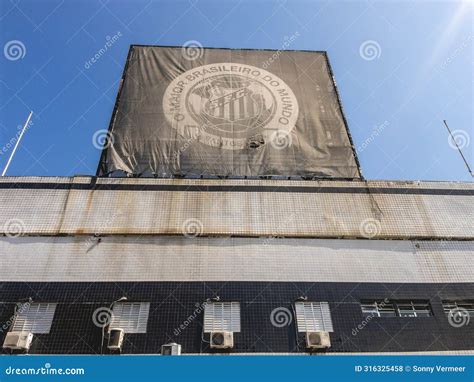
232, 218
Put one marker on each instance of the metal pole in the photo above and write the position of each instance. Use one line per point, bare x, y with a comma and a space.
16, 144
459, 149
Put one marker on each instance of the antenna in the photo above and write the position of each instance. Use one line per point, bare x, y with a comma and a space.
459, 148
16, 144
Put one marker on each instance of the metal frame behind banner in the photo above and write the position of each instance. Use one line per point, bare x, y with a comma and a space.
102, 170
341, 108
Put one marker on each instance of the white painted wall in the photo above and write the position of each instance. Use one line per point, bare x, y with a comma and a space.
177, 258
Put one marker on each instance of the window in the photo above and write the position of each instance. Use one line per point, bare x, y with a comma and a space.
222, 316
132, 317
313, 317
453, 307
414, 309
34, 317
396, 308
382, 308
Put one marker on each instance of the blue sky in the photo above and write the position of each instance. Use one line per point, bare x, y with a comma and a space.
401, 68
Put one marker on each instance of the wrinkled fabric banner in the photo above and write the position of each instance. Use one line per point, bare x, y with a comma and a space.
228, 113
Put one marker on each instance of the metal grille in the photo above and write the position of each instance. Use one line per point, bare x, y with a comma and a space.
383, 308
132, 317
396, 308
413, 308
313, 317
34, 317
222, 316
453, 307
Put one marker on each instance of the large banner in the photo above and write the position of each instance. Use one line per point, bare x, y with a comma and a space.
228, 113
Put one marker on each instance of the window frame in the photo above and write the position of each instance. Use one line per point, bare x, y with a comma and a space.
313, 316
37, 318
222, 316
467, 305
121, 320
380, 308
400, 308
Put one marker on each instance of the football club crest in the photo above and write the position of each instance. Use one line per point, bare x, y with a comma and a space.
227, 105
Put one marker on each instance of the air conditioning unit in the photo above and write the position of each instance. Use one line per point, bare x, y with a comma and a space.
222, 340
115, 339
171, 349
18, 340
317, 340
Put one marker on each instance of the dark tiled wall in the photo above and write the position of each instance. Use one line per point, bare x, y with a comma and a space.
173, 303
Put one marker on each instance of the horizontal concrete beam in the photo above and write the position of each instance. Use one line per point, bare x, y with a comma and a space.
326, 209
175, 258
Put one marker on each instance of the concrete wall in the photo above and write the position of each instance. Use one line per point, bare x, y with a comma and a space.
177, 258
325, 209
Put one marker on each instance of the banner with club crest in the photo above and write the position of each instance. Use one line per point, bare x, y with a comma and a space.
201, 112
